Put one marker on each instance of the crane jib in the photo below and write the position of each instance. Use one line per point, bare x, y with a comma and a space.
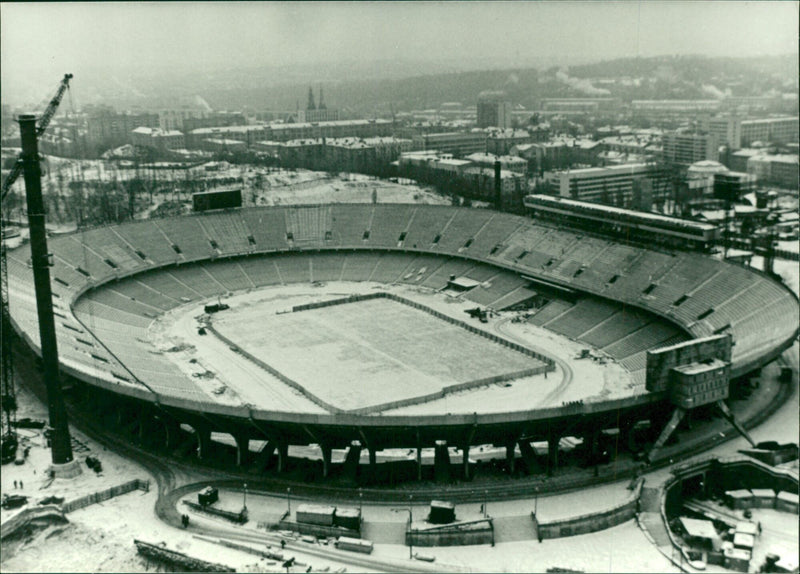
43, 122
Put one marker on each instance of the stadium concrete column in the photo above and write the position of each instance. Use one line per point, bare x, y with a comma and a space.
326, 458
419, 457
465, 443
465, 460
283, 455
242, 439
553, 440
172, 431
373, 459
441, 461
511, 447
203, 434
352, 460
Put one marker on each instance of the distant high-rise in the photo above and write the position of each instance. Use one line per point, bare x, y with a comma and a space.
687, 148
494, 110
321, 105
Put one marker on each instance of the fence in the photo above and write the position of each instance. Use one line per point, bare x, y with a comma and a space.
546, 367
178, 560
89, 499
590, 522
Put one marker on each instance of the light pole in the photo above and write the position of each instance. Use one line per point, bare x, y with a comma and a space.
535, 500
289, 501
244, 503
360, 501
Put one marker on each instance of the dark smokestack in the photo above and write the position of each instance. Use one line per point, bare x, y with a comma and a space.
61, 442
498, 187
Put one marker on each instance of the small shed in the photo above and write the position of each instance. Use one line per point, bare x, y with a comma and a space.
701, 533
316, 514
744, 541
746, 527
763, 498
739, 499
442, 512
787, 502
348, 518
737, 559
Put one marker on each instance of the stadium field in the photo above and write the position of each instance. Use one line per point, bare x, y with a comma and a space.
360, 354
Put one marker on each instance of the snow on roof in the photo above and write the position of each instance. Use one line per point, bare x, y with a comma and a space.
488, 157
655, 217
465, 282
699, 528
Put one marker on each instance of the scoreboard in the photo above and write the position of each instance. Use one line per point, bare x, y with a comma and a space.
219, 199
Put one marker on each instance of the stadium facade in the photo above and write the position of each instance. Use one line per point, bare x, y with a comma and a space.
622, 298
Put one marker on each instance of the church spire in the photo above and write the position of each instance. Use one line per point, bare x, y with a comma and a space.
321, 105
311, 105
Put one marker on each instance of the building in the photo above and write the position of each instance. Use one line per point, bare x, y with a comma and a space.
659, 108
780, 170
333, 129
507, 162
500, 142
456, 143
772, 130
481, 182
317, 112
578, 105
247, 134
683, 148
559, 154
739, 133
610, 185
214, 120
218, 145
494, 110
107, 129
184, 108
158, 140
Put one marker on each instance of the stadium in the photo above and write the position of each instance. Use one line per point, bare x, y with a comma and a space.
346, 326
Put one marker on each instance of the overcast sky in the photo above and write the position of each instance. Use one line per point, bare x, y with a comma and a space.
53, 38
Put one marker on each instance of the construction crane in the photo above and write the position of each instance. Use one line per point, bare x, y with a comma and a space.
41, 126
8, 402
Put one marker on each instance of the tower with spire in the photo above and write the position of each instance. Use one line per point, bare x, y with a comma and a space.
316, 112
311, 106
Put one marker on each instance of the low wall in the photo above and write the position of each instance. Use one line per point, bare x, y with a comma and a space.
94, 498
481, 533
274, 372
593, 522
454, 388
316, 529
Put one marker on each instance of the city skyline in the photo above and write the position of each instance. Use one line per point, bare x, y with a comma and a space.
91, 39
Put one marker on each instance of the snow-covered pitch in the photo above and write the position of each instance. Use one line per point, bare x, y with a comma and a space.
367, 353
